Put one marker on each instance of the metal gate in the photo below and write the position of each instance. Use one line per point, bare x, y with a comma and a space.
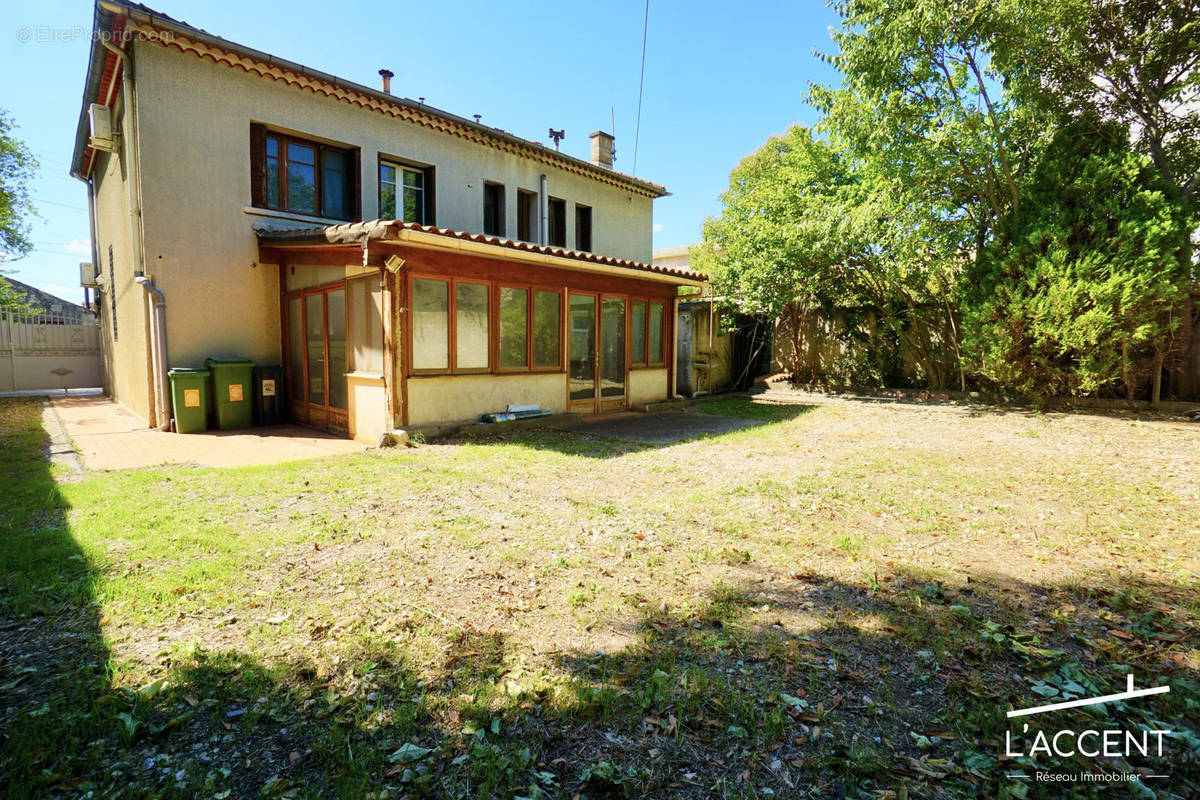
49, 351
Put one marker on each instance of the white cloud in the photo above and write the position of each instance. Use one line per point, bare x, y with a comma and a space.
658, 226
78, 246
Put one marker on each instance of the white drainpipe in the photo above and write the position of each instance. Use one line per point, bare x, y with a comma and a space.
158, 348
161, 412
544, 209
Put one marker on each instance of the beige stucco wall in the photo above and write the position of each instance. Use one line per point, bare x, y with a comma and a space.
459, 398
127, 356
647, 386
194, 122
718, 355
367, 407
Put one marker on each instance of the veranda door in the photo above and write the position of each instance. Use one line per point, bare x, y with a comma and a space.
316, 348
597, 353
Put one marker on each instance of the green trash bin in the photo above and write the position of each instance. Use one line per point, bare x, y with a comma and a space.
189, 399
233, 392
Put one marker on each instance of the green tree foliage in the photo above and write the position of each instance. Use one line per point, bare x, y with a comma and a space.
1082, 294
811, 236
1133, 62
17, 165
955, 180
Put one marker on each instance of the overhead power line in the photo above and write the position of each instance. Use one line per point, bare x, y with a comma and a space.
637, 133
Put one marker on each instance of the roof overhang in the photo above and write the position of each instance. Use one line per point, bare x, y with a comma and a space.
363, 235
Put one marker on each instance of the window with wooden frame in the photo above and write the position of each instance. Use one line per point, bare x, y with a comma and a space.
527, 223
493, 209
451, 325
556, 211
429, 300
529, 323
472, 326
583, 228
406, 192
302, 176
646, 332
456, 324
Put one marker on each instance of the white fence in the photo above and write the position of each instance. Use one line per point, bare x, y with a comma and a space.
49, 351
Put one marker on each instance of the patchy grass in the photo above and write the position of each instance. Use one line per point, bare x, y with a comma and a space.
842, 602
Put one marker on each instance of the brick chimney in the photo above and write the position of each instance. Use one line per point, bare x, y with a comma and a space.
602, 149
387, 76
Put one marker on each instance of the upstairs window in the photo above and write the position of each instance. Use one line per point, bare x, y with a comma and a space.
526, 215
493, 209
302, 176
557, 235
583, 228
405, 192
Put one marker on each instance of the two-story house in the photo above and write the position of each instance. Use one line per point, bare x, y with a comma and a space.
405, 266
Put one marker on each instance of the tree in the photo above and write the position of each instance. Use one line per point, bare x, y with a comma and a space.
770, 251
17, 166
922, 101
809, 235
1082, 294
1135, 63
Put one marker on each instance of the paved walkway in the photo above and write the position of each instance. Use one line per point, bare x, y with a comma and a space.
109, 437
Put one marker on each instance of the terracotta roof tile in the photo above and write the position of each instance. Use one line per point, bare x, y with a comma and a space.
377, 230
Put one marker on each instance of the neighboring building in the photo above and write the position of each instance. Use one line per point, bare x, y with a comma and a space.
713, 356
46, 342
490, 270
52, 308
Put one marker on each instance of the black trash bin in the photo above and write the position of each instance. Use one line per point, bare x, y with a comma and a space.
268, 395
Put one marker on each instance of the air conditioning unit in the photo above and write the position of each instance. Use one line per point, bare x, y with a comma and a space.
100, 128
89, 275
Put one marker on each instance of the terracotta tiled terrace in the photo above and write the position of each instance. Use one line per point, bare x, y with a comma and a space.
108, 438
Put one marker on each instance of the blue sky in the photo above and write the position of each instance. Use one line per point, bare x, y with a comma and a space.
721, 77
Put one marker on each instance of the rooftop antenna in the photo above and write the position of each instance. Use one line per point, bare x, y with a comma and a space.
612, 118
477, 117
557, 136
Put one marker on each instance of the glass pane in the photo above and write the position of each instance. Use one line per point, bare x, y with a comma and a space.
514, 331
272, 146
430, 324
301, 192
637, 331
471, 326
335, 195
387, 191
272, 182
612, 347
366, 325
301, 154
656, 333
295, 349
414, 206
414, 178
582, 370
315, 336
547, 328
336, 305
493, 209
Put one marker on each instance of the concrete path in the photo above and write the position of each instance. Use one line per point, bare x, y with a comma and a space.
108, 437
664, 427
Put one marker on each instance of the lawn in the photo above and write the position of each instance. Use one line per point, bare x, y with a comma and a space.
841, 602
